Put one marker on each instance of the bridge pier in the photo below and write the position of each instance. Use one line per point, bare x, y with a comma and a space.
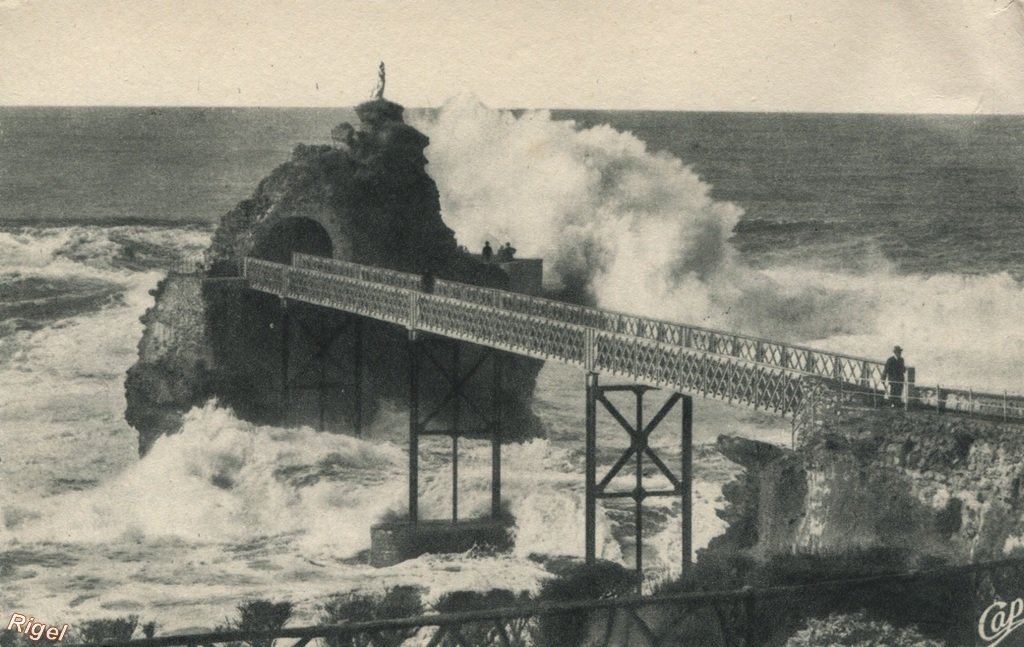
321, 333
446, 357
639, 433
451, 412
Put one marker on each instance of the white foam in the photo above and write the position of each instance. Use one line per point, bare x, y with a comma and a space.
641, 231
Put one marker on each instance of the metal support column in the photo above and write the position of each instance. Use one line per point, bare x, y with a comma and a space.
414, 422
591, 468
285, 350
496, 437
357, 375
323, 350
687, 481
638, 452
639, 441
320, 369
456, 411
456, 371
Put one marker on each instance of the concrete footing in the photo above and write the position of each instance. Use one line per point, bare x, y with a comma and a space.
396, 541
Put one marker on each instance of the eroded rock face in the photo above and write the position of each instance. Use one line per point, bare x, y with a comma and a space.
932, 485
366, 199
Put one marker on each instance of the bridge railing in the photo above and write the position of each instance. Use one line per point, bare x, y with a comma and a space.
196, 263
359, 271
759, 372
944, 399
791, 357
739, 617
653, 362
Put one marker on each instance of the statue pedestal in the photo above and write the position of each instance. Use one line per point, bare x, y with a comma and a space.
396, 541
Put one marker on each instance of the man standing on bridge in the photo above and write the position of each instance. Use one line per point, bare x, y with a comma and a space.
894, 374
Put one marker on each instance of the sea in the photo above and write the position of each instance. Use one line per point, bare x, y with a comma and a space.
848, 232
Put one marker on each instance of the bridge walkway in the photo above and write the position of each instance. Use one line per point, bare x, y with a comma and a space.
746, 370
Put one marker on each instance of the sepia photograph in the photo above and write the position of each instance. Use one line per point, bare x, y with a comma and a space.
529, 323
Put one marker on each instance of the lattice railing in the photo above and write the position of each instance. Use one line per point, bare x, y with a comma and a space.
945, 399
359, 271
528, 331
854, 370
757, 372
523, 334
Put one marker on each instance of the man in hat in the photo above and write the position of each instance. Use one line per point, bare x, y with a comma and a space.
894, 374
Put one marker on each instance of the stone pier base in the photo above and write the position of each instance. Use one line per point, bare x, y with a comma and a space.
396, 541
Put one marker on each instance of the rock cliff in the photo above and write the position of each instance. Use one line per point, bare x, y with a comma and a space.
368, 199
941, 486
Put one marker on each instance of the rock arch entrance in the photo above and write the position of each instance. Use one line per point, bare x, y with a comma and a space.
288, 235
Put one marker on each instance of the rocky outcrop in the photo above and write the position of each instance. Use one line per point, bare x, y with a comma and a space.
933, 485
368, 199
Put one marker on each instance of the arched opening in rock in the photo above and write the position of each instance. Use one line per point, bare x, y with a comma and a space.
290, 235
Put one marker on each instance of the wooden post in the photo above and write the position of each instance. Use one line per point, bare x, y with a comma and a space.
911, 378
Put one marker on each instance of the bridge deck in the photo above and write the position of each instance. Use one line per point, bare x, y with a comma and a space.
747, 370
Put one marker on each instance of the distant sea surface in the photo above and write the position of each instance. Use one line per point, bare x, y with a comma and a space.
933, 193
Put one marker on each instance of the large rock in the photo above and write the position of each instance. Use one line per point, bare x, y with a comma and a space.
368, 199
936, 486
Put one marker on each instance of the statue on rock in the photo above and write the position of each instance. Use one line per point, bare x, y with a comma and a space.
378, 92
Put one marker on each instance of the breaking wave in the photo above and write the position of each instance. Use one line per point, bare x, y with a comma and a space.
638, 231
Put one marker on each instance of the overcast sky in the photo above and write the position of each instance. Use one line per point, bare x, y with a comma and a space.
853, 56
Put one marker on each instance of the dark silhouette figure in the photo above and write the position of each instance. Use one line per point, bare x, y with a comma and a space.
488, 253
507, 252
427, 282
895, 374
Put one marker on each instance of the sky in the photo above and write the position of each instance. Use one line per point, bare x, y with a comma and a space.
923, 56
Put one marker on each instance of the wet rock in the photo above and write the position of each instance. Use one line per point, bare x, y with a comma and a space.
367, 199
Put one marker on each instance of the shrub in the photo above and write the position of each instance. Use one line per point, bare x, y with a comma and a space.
107, 630
485, 632
258, 615
397, 602
930, 603
581, 582
857, 630
716, 570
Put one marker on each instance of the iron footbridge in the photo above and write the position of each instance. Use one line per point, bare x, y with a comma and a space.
764, 374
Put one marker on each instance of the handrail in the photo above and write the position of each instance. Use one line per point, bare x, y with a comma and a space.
658, 363
805, 359
687, 601
760, 372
